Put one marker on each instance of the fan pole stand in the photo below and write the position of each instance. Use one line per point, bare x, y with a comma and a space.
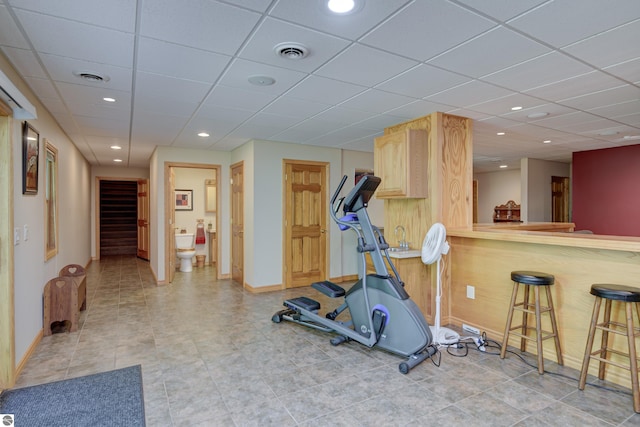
442, 336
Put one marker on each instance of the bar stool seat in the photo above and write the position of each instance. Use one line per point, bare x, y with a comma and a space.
537, 280
629, 296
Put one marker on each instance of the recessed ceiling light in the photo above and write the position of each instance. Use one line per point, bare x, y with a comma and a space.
537, 115
261, 80
631, 137
116, 147
117, 160
109, 99
503, 166
516, 108
546, 141
341, 6
203, 134
500, 133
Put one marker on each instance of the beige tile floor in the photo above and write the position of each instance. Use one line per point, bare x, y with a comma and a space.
212, 357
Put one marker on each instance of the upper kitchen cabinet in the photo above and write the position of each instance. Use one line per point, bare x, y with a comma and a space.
400, 160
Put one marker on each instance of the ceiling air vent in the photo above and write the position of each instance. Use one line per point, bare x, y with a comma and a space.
291, 50
90, 76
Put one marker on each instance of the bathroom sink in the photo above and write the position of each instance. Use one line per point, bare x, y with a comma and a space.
398, 249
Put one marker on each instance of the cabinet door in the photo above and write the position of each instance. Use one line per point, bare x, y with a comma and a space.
400, 160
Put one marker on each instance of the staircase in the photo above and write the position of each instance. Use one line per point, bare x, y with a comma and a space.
118, 217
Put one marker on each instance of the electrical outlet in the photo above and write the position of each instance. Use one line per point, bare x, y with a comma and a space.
471, 292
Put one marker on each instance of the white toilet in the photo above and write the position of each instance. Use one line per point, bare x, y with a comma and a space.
185, 251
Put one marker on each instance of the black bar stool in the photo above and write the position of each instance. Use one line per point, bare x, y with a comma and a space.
535, 279
630, 296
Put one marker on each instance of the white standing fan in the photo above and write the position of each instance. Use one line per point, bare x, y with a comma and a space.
433, 247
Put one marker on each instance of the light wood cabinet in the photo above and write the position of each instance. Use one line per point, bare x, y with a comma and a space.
213, 245
400, 160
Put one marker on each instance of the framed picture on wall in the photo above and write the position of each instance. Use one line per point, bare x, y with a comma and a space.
184, 200
30, 159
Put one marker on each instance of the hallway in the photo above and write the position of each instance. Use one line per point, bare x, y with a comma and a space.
211, 356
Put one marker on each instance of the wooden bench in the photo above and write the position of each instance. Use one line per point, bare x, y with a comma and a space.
64, 297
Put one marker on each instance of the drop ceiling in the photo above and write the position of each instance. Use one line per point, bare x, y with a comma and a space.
178, 68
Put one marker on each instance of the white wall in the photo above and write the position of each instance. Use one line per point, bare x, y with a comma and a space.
352, 160
536, 186
264, 212
74, 219
496, 188
157, 200
106, 172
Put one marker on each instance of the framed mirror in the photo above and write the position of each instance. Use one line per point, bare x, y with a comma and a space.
210, 195
51, 201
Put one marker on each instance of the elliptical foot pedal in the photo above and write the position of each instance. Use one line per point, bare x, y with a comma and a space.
302, 302
328, 288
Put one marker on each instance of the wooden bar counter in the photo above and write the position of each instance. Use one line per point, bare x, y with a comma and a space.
485, 256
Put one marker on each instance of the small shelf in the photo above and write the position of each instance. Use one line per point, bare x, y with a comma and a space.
509, 212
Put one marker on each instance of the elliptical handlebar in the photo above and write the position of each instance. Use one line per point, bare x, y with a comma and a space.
334, 209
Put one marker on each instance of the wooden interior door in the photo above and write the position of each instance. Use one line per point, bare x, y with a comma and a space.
143, 219
559, 199
237, 222
305, 228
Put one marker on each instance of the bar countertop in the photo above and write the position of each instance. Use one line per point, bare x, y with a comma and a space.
529, 233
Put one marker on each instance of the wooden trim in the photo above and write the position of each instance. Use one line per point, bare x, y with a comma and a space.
7, 308
342, 279
262, 289
29, 352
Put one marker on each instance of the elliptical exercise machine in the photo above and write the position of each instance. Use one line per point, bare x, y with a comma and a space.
382, 314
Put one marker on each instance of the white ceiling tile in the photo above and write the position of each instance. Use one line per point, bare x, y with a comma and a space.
161, 126
627, 70
467, 94
501, 9
419, 108
242, 99
75, 94
186, 62
563, 22
159, 87
422, 81
574, 86
503, 105
62, 69
339, 116
322, 89
43, 87
241, 69
26, 62
9, 33
77, 40
601, 98
295, 107
116, 14
597, 50
428, 29
551, 67
377, 101
321, 47
362, 65
550, 109
313, 14
490, 52
206, 25
216, 114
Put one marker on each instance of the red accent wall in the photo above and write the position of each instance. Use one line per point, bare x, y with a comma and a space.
606, 191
